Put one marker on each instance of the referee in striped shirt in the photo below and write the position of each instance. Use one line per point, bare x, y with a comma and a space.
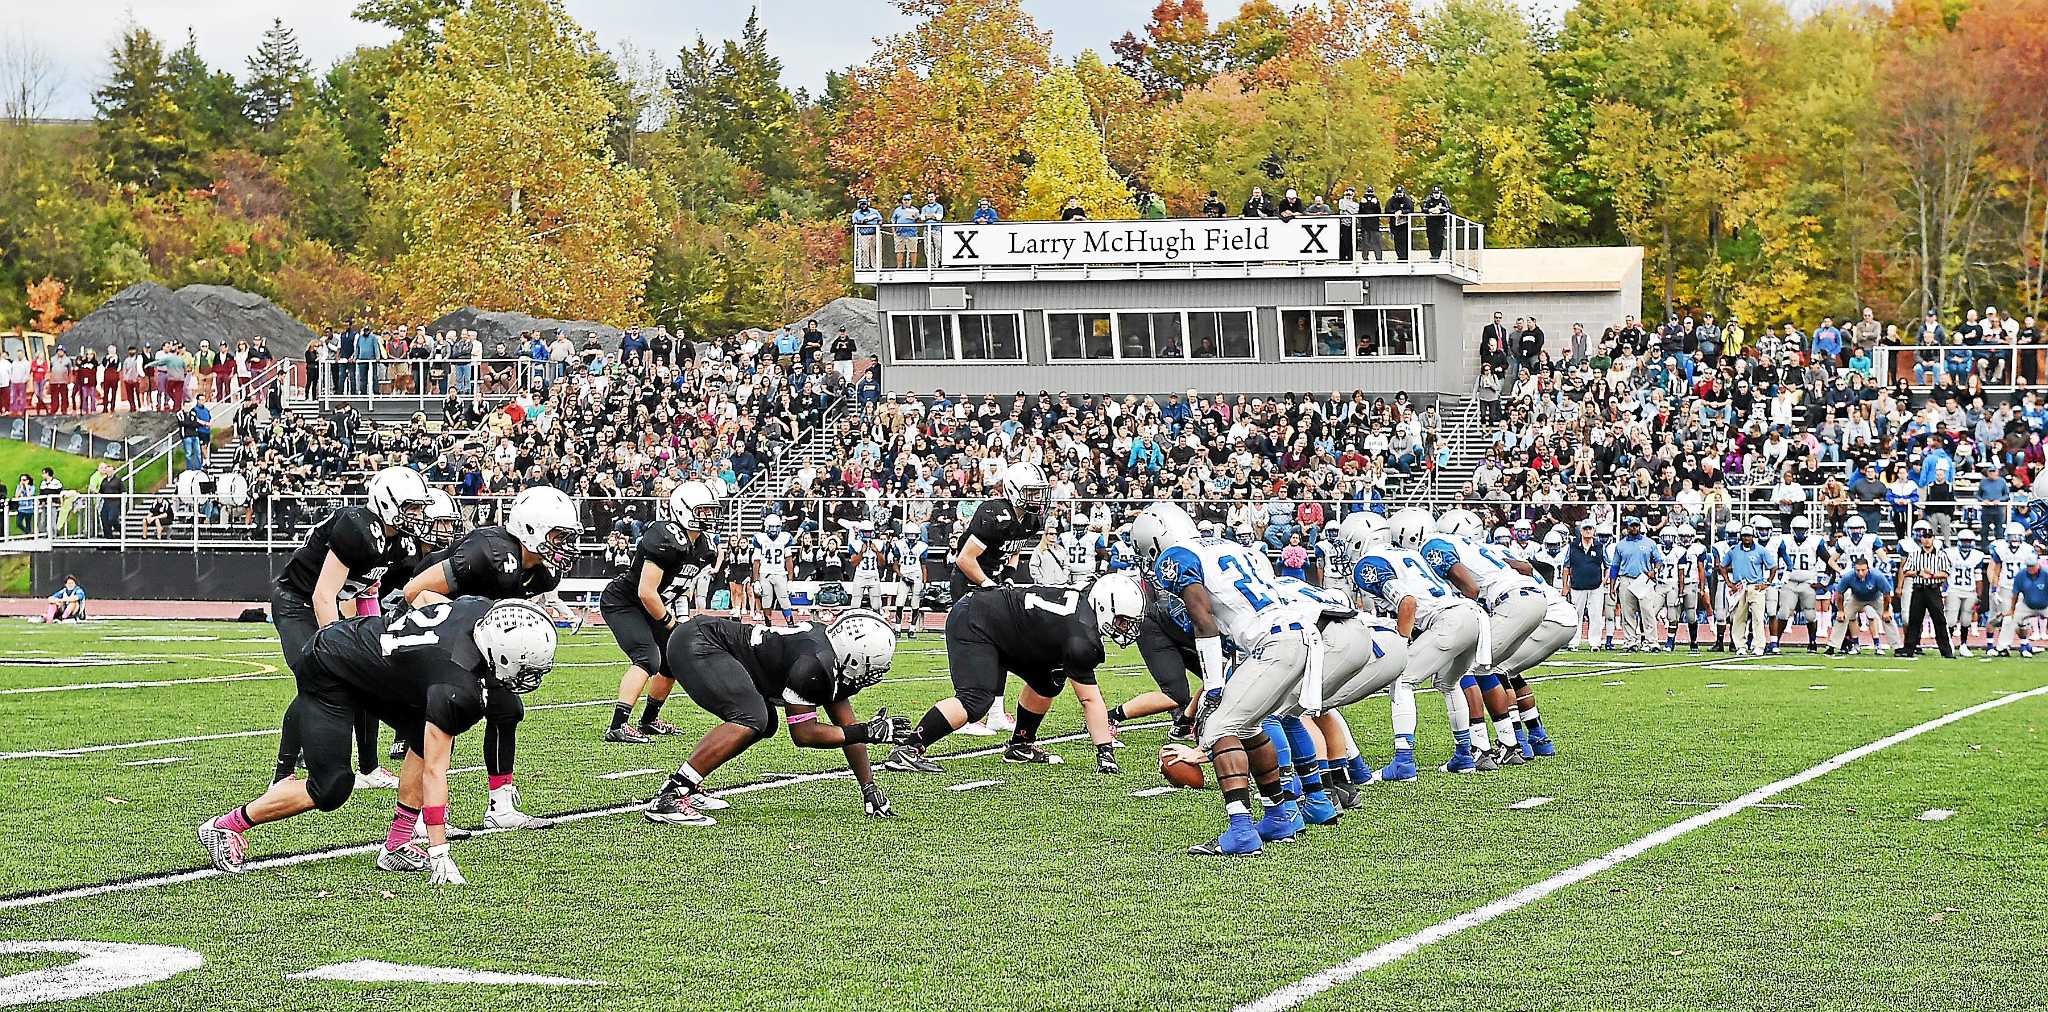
1924, 572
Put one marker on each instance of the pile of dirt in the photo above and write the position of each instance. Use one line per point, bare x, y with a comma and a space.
148, 314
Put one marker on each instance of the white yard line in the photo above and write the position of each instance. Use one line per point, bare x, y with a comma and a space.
972, 784
1308, 987
153, 881
624, 774
147, 684
1153, 792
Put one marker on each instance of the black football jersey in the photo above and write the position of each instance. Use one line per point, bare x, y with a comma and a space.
1006, 531
672, 550
486, 563
424, 659
1034, 629
355, 536
790, 665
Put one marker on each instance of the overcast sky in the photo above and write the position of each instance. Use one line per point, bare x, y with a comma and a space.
810, 36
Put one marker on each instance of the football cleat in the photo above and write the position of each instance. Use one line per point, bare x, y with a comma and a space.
1318, 810
1401, 769
659, 726
1962, 651
2026, 650
1029, 752
1484, 761
1345, 795
1240, 840
450, 831
999, 722
406, 858
1463, 762
1183, 728
377, 779
676, 810
1542, 745
710, 803
1509, 755
227, 848
1105, 760
504, 812
624, 735
1283, 822
910, 759
976, 728
1522, 740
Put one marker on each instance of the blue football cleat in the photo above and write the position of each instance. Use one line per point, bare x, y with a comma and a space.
1360, 772
1542, 745
1240, 840
1522, 739
1318, 810
1402, 768
1282, 823
1463, 762
2026, 650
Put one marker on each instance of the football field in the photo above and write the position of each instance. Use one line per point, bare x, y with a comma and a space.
1793, 832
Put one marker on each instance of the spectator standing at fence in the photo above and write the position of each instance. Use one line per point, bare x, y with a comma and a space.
1371, 218
1437, 209
985, 212
193, 430
1290, 206
14, 377
867, 234
906, 230
1150, 206
1400, 212
1213, 206
1073, 211
60, 382
930, 215
1258, 205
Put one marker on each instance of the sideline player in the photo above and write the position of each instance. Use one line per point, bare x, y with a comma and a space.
2008, 557
1043, 635
425, 672
867, 558
1746, 569
988, 548
1862, 590
742, 674
1968, 568
1802, 558
774, 567
2029, 605
638, 606
343, 556
911, 551
1694, 599
521, 558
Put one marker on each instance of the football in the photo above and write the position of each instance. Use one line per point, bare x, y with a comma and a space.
1181, 772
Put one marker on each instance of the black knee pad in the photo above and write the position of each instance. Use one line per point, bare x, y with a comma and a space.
976, 702
330, 789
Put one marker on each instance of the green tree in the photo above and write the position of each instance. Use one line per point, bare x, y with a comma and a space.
143, 137
278, 75
418, 22
1258, 33
328, 199
210, 98
355, 95
502, 178
1066, 155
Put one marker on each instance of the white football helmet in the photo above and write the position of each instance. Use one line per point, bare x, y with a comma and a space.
1119, 606
694, 505
1410, 528
771, 524
863, 647
1801, 524
1162, 526
1461, 522
443, 521
1856, 526
398, 497
1502, 536
2015, 532
1362, 532
544, 520
518, 639
1026, 488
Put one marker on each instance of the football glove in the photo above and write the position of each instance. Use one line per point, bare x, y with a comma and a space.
1210, 700
875, 803
892, 730
442, 867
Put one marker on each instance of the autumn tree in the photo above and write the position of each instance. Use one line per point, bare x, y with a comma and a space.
1066, 156
499, 169
46, 302
1176, 52
942, 106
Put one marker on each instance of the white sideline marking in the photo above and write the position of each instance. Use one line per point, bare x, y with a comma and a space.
1535, 802
378, 971
102, 967
623, 774
81, 661
1816, 686
1935, 814
150, 684
1927, 688
1308, 987
173, 878
1711, 804
972, 784
159, 761
1153, 792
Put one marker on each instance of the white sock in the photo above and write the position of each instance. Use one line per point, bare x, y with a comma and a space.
997, 709
1404, 712
1505, 729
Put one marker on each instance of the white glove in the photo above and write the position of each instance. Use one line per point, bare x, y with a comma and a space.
443, 867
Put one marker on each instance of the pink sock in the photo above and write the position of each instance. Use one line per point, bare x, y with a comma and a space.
402, 820
499, 780
236, 821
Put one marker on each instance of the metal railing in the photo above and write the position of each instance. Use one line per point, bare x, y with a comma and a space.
421, 384
2004, 367
1445, 240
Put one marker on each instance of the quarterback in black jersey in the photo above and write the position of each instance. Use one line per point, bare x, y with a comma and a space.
344, 555
636, 606
429, 673
525, 556
1044, 635
999, 530
742, 674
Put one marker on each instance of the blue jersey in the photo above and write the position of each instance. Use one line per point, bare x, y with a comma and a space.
2030, 585
1749, 565
1388, 576
1872, 587
2035, 516
1244, 600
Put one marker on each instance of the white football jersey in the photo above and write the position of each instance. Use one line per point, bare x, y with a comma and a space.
1801, 558
1670, 560
773, 550
1080, 547
1337, 563
1964, 567
910, 559
1247, 604
2010, 559
1689, 564
867, 566
1334, 603
1848, 550
1489, 570
1386, 576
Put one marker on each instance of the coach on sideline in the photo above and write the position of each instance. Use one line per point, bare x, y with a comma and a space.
1925, 573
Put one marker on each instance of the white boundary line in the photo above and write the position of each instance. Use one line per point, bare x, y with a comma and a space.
1308, 987
153, 881
147, 684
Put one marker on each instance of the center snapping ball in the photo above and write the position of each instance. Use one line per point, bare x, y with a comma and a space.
1182, 773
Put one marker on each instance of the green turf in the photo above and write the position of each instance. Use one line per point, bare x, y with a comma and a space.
18, 458
1056, 889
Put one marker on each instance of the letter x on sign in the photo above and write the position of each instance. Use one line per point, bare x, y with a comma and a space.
965, 237
1312, 239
